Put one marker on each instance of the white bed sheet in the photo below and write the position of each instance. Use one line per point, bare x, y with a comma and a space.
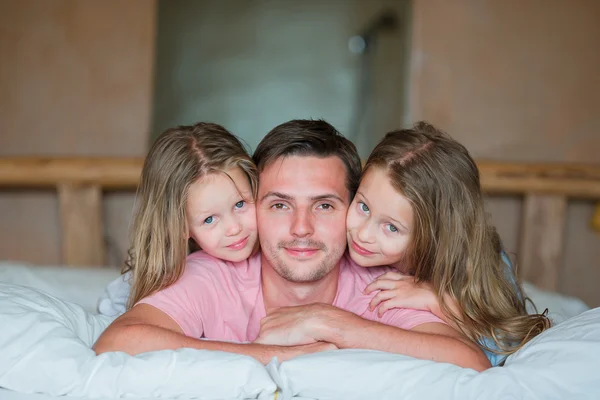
6, 394
45, 343
574, 346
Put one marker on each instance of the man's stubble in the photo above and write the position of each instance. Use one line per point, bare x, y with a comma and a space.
324, 267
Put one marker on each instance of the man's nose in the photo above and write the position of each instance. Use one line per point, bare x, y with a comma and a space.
302, 224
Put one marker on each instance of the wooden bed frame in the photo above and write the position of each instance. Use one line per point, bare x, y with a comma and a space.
81, 182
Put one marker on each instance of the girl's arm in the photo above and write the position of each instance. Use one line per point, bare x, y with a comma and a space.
397, 290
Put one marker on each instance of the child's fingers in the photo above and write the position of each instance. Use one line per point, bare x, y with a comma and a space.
379, 297
394, 275
385, 306
381, 284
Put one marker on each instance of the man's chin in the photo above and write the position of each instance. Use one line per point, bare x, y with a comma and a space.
295, 277
304, 271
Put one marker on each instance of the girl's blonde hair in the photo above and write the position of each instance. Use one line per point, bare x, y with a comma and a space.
179, 157
453, 246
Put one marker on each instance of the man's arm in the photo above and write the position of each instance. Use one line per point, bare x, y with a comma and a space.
322, 322
145, 328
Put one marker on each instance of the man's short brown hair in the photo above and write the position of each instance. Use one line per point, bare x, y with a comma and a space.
317, 138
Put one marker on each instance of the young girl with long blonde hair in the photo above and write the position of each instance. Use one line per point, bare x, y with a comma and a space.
420, 209
197, 191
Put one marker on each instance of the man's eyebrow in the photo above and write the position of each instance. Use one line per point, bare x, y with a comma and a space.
279, 195
328, 196
287, 197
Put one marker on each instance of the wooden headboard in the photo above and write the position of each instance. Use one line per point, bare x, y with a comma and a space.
81, 182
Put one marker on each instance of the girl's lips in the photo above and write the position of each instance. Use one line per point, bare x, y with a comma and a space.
360, 250
240, 244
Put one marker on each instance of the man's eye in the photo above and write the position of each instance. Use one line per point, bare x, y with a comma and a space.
279, 206
209, 220
326, 206
391, 228
363, 207
240, 204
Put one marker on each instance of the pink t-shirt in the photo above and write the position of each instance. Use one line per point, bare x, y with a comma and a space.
222, 300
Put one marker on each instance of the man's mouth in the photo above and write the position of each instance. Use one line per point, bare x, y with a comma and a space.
301, 252
361, 250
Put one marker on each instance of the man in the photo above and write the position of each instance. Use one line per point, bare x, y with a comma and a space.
300, 294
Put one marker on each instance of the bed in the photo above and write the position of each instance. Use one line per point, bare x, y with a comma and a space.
60, 302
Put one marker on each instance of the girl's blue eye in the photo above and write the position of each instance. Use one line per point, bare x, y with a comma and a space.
363, 207
209, 220
392, 228
240, 204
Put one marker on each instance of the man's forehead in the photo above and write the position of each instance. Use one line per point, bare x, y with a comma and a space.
307, 175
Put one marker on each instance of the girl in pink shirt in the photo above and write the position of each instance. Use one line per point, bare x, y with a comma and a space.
197, 190
420, 209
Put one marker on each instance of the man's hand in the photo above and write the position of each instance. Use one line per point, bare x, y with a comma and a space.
316, 324
299, 325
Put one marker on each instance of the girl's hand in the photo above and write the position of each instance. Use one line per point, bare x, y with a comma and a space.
397, 290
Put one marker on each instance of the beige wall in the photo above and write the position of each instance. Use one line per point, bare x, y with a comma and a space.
516, 80
75, 79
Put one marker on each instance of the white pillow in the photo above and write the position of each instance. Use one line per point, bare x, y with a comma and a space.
45, 348
81, 286
561, 363
560, 307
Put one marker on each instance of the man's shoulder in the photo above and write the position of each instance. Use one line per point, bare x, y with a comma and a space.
352, 270
354, 279
352, 283
352, 274
201, 264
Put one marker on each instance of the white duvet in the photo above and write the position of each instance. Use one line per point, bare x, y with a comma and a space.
45, 348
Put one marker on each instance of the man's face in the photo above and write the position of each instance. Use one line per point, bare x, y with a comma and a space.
301, 210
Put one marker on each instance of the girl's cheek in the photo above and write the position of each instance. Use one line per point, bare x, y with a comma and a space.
351, 220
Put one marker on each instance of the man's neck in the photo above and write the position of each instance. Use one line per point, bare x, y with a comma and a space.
279, 292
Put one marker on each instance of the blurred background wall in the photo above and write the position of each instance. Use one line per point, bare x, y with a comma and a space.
75, 79
251, 65
516, 80
512, 80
